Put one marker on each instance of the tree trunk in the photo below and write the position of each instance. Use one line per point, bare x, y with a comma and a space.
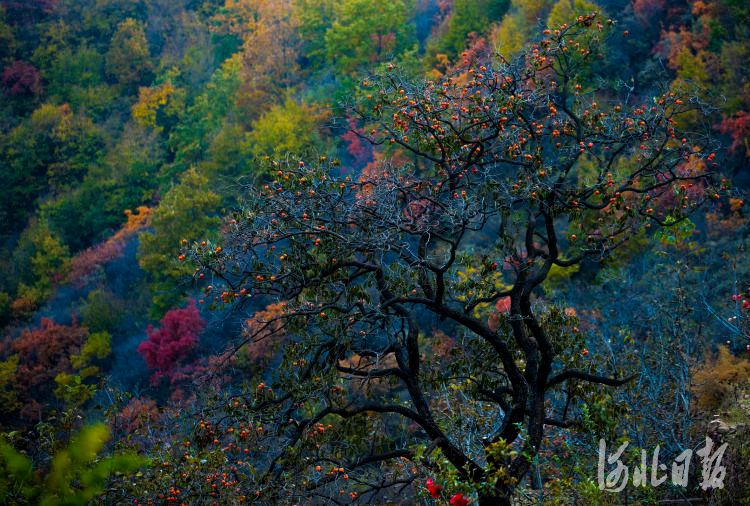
494, 500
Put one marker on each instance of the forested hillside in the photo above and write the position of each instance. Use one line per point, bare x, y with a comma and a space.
373, 251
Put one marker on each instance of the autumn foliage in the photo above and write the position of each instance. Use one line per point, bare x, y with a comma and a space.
738, 127
433, 236
89, 260
508, 174
43, 353
21, 78
263, 333
138, 414
173, 341
719, 383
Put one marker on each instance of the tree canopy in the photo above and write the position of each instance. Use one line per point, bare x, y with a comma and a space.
516, 172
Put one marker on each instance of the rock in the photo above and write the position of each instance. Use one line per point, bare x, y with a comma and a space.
719, 426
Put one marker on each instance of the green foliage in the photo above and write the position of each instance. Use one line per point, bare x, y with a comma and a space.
45, 262
559, 276
77, 474
76, 78
72, 70
137, 94
79, 67
7, 40
158, 107
8, 392
52, 259
5, 315
97, 347
511, 35
228, 156
470, 16
734, 76
291, 127
672, 234
104, 16
102, 311
54, 40
52, 150
126, 179
316, 17
185, 212
72, 391
565, 11
519, 25
192, 136
364, 31
128, 60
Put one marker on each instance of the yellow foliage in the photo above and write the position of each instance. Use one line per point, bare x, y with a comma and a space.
566, 11
719, 225
291, 127
151, 100
97, 345
559, 275
519, 25
264, 332
510, 36
715, 384
136, 223
8, 393
237, 17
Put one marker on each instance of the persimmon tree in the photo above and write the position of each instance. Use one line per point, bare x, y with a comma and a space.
518, 172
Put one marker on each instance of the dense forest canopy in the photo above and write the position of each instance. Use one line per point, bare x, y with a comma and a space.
370, 251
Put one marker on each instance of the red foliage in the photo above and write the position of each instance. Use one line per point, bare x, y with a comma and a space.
176, 338
87, 261
646, 11
28, 11
137, 414
43, 353
359, 149
477, 48
418, 212
502, 306
684, 195
673, 42
738, 128
376, 168
444, 10
442, 344
21, 78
